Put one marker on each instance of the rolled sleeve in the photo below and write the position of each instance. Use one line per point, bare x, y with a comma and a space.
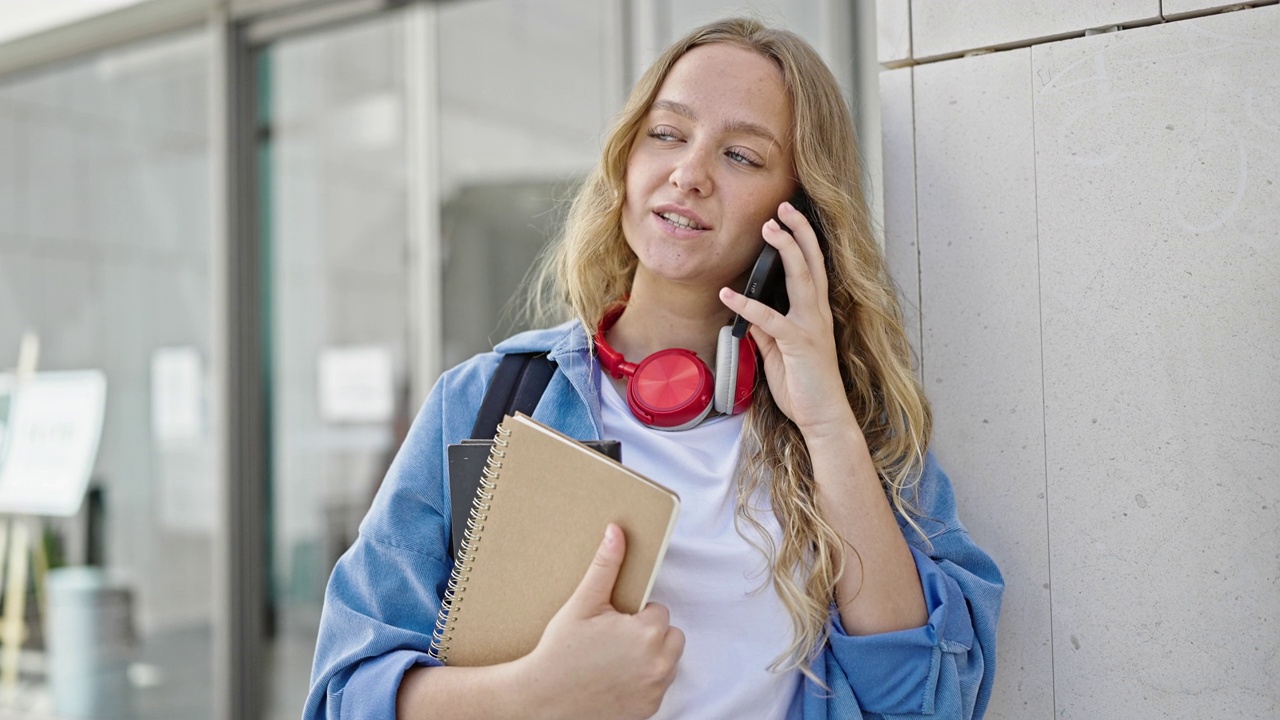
945, 668
898, 673
374, 685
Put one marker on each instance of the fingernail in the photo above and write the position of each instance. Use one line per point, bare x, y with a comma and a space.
610, 535
772, 223
788, 206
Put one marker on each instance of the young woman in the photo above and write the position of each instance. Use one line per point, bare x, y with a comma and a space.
818, 568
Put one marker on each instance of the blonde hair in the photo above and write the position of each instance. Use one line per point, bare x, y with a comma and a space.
591, 267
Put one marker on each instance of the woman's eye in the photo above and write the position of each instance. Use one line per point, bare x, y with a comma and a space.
743, 158
663, 132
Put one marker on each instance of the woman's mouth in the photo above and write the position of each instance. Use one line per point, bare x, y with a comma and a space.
679, 221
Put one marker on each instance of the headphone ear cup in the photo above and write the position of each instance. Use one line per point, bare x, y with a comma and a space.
726, 371
672, 389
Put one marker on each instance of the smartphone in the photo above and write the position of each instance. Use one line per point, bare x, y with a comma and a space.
767, 284
767, 281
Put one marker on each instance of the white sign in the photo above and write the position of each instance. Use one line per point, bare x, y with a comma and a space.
177, 394
357, 384
183, 452
54, 424
187, 486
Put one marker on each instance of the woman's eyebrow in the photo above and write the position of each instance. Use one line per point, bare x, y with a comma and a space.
732, 126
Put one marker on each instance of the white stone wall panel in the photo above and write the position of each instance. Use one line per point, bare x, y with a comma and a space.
893, 31
981, 344
900, 243
1158, 174
1173, 9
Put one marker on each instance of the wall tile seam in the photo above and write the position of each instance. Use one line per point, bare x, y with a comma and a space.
915, 230
1047, 39
1044, 412
1205, 12
1027, 43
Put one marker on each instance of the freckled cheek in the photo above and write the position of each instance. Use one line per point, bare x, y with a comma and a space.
634, 204
641, 173
761, 210
638, 189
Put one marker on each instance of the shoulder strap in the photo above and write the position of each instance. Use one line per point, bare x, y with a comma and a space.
516, 386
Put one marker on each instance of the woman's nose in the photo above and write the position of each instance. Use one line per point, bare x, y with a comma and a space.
692, 174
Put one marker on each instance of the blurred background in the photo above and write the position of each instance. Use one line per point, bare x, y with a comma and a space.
240, 239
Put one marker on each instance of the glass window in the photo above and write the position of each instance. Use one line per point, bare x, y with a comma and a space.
526, 90
105, 255
335, 218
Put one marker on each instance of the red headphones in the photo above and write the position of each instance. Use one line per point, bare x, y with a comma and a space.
674, 390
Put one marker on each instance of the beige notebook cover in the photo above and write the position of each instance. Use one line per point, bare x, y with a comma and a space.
549, 500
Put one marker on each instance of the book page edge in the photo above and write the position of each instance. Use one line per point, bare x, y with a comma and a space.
662, 550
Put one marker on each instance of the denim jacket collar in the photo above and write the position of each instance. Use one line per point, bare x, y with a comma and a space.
569, 348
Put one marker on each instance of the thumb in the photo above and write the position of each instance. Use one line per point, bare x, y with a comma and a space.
596, 588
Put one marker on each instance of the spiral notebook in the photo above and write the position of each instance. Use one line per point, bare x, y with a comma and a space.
466, 466
537, 520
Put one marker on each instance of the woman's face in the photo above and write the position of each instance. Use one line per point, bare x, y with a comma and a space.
710, 164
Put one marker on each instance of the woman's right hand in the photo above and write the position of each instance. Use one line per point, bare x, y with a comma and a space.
593, 661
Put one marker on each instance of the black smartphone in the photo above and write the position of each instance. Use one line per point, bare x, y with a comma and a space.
767, 281
767, 284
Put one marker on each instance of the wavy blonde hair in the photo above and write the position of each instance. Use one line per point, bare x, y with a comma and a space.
591, 267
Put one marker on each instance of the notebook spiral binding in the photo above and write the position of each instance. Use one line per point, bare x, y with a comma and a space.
470, 544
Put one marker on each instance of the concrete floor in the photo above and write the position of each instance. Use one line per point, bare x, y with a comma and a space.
171, 678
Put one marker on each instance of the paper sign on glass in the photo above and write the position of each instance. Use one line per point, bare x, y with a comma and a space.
357, 384
177, 394
54, 424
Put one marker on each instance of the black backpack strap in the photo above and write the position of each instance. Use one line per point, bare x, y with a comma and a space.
516, 386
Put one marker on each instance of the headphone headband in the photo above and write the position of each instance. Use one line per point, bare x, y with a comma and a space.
611, 360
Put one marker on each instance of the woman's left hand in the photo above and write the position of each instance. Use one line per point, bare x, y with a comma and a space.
799, 348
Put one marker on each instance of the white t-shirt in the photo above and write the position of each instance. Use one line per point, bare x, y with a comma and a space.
715, 583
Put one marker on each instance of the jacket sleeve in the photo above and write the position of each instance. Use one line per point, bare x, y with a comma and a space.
385, 592
945, 668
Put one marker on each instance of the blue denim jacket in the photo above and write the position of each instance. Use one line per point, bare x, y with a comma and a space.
383, 597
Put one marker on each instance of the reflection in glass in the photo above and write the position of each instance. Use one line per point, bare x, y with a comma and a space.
333, 171
104, 252
526, 91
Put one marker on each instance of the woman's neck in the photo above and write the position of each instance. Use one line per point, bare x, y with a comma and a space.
666, 315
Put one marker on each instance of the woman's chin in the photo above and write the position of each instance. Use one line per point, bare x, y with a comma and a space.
679, 281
